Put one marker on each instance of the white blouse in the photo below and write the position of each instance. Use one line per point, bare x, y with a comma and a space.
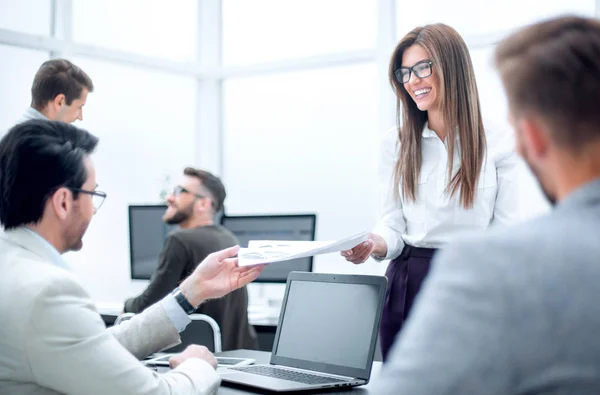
435, 218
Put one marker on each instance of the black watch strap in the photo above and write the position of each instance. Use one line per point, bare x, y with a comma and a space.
183, 302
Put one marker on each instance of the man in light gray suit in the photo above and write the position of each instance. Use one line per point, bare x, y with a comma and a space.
517, 311
52, 339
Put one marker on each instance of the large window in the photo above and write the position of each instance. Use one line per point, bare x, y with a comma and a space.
474, 17
26, 16
304, 142
18, 68
158, 28
271, 30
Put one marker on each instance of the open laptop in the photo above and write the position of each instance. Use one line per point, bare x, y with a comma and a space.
326, 336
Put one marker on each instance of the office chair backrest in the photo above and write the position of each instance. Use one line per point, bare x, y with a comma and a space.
123, 317
202, 330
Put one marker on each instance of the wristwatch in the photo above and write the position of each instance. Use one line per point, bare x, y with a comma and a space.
182, 301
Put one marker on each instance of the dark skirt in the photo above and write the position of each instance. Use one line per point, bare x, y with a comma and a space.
405, 275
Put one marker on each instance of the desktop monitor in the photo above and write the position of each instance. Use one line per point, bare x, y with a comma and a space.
147, 233
299, 227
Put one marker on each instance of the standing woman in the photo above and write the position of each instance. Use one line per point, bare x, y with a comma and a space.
443, 172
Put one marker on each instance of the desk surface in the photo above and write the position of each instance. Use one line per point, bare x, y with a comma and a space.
264, 357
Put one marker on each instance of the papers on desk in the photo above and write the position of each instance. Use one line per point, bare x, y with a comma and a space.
260, 252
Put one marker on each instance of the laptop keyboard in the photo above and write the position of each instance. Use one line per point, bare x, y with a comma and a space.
285, 374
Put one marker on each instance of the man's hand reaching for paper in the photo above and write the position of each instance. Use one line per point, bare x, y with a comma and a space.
218, 275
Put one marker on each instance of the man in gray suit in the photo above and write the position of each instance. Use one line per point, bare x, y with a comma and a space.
516, 311
52, 339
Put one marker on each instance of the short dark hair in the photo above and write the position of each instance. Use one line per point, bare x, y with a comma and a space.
212, 183
552, 69
58, 76
36, 158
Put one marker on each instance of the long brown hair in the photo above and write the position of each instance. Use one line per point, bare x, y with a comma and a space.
460, 109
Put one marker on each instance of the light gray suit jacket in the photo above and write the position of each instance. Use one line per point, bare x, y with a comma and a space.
516, 311
52, 339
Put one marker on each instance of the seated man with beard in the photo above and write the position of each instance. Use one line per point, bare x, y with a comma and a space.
192, 206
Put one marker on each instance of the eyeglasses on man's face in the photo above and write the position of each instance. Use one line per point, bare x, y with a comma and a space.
97, 197
421, 69
178, 190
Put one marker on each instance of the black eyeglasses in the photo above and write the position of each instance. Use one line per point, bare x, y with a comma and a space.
97, 197
421, 69
178, 190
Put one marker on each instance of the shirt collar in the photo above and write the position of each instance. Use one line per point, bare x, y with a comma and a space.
32, 113
428, 133
53, 254
586, 194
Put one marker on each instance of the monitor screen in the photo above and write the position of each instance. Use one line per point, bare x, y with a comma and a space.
275, 227
147, 233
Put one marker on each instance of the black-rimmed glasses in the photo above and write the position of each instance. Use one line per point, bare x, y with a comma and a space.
97, 196
421, 69
178, 190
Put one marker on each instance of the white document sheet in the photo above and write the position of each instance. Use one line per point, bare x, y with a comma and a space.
260, 252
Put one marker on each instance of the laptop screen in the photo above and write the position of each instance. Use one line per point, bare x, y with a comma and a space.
330, 323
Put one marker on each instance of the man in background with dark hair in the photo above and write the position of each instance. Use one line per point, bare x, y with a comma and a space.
517, 311
59, 92
192, 205
52, 339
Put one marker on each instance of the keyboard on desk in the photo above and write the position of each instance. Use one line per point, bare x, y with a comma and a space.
290, 375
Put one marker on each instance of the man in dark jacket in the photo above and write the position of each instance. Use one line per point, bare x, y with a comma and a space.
192, 206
